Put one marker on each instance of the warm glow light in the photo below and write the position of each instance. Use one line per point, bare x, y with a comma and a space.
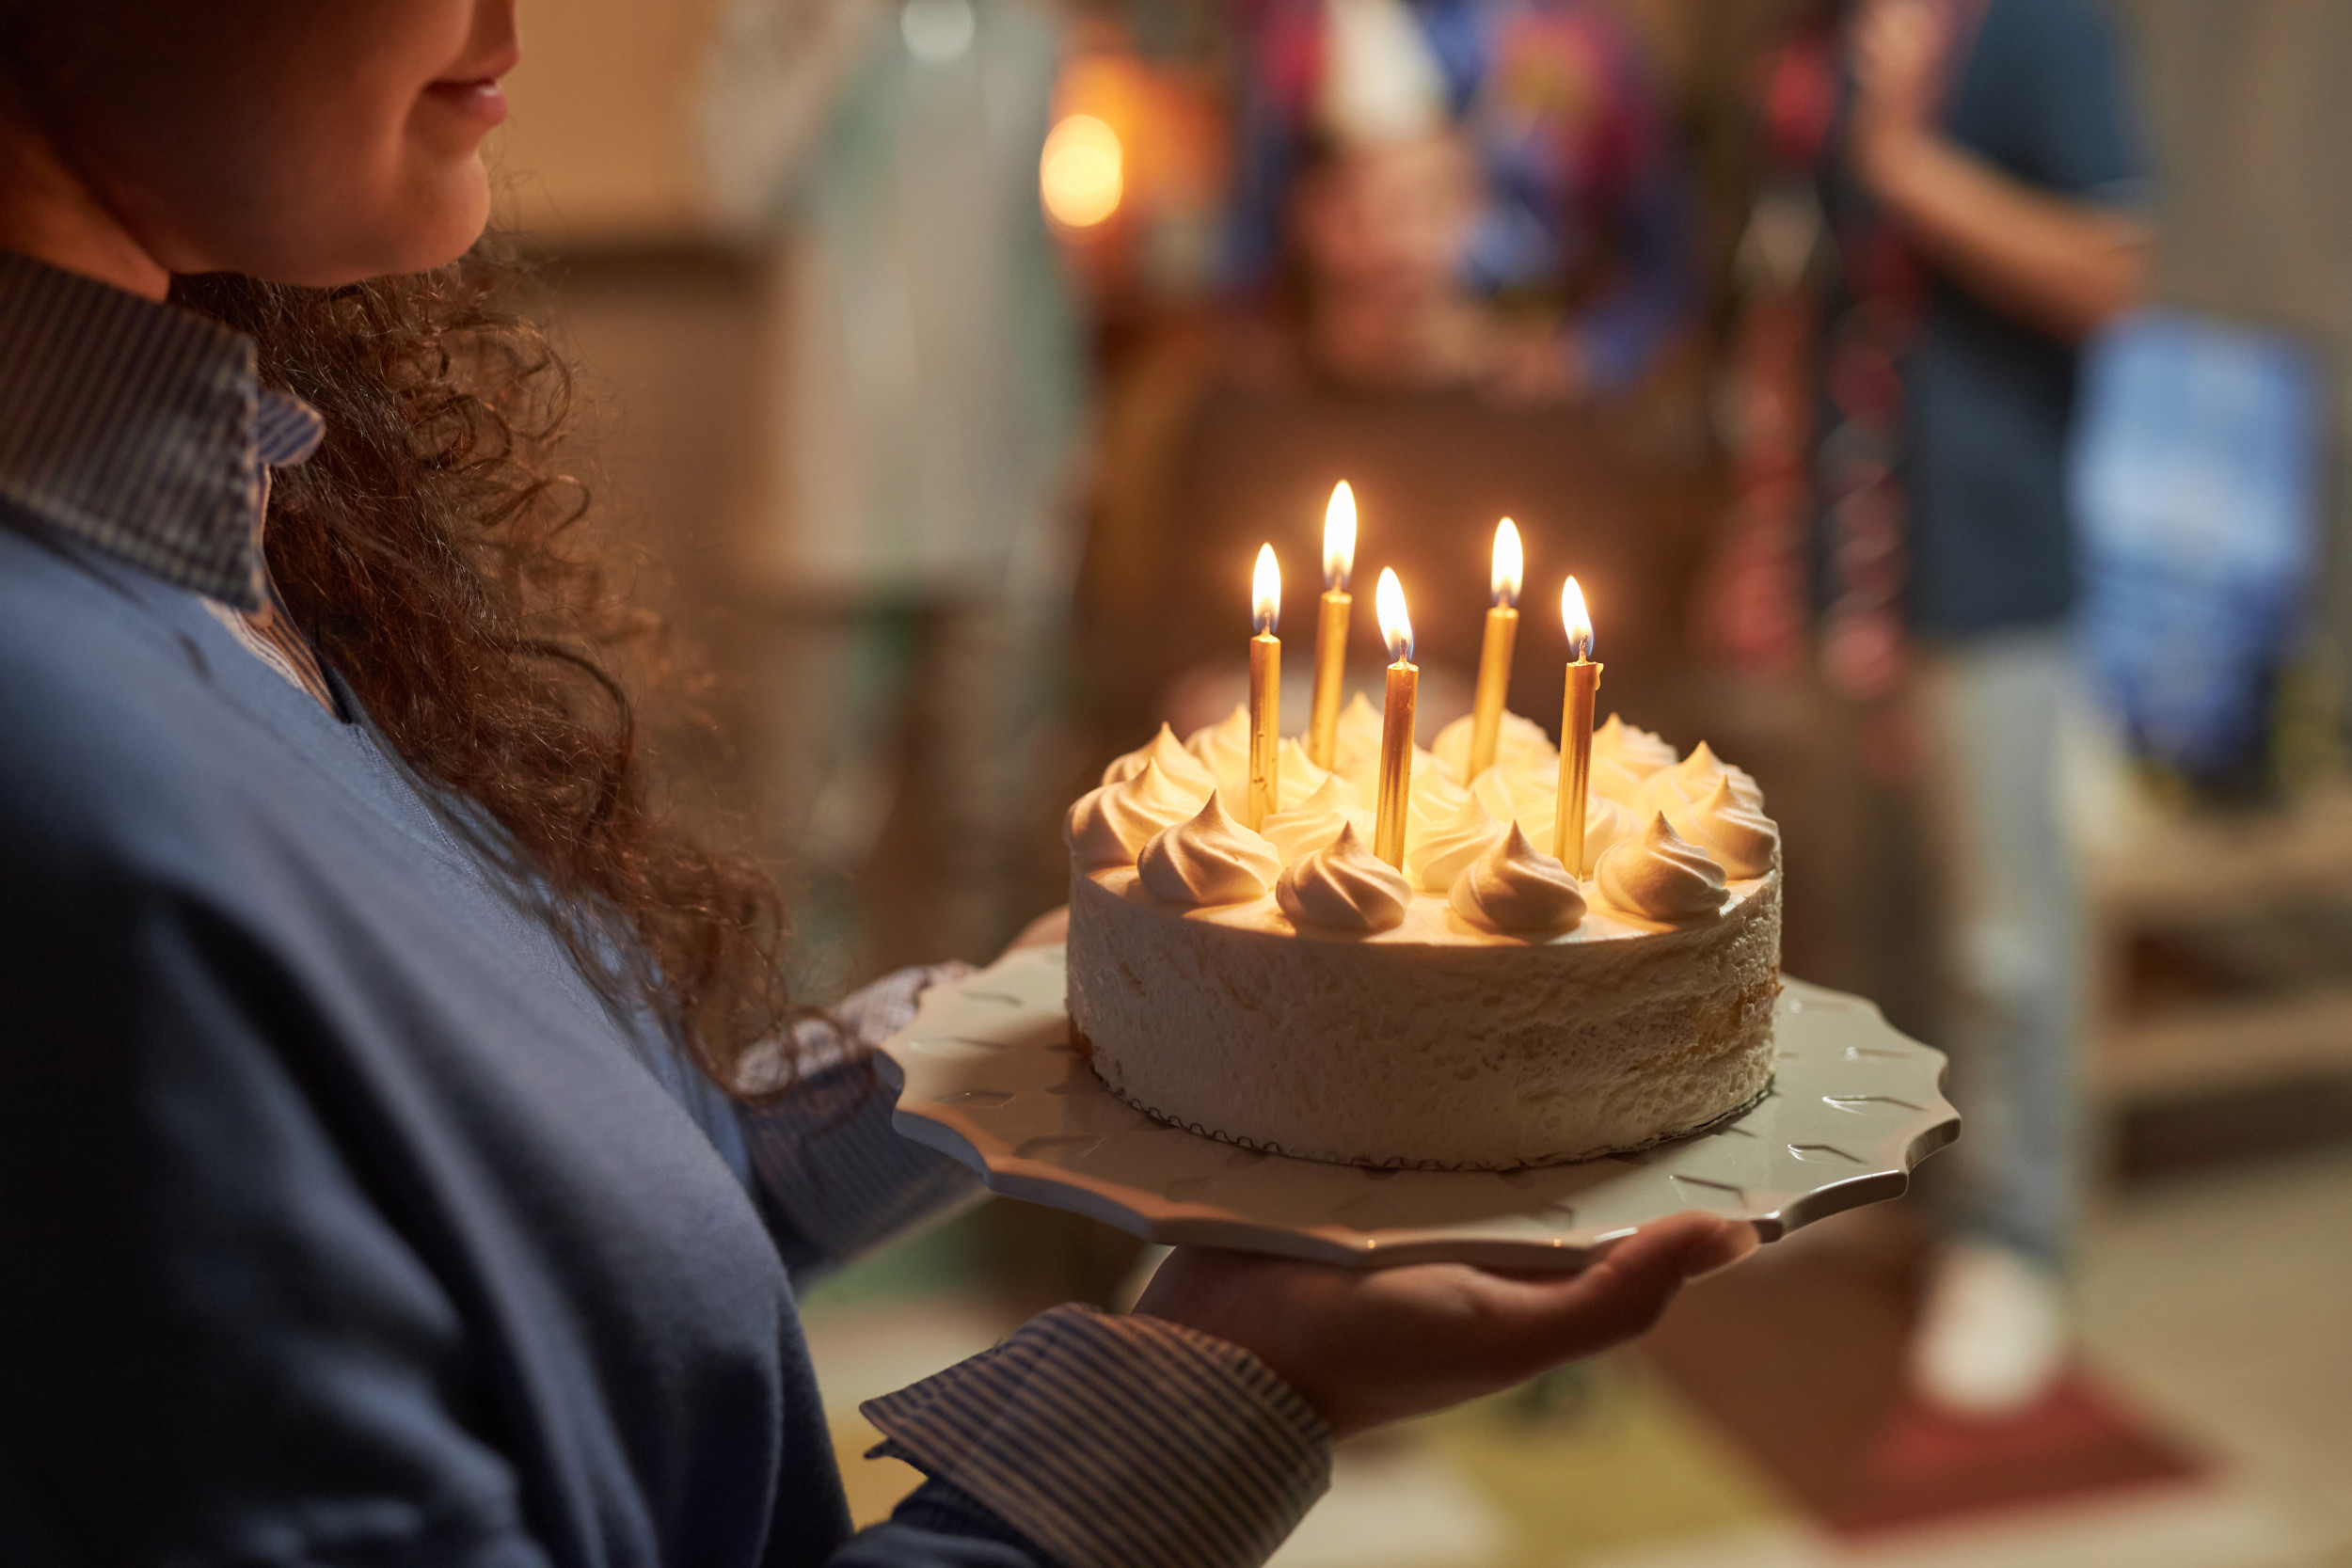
1266, 592
1082, 174
1574, 616
1397, 628
1339, 537
1509, 565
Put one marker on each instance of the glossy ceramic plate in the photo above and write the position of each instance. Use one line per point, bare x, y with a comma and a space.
986, 1073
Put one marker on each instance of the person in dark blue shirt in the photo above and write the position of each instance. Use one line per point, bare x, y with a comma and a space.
406, 1151
1993, 149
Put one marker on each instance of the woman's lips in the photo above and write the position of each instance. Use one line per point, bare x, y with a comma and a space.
481, 99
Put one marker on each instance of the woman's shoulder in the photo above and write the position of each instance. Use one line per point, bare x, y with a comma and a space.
119, 743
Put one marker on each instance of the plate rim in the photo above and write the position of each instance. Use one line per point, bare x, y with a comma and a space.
1895, 1152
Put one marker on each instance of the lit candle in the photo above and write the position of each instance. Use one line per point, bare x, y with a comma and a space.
1575, 730
1266, 693
1494, 656
1396, 723
1338, 565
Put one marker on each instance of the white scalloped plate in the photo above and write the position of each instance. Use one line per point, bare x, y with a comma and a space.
986, 1073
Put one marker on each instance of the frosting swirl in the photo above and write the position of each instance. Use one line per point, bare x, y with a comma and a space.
1641, 751
1355, 744
1436, 800
1737, 836
1527, 796
1532, 800
1520, 743
1613, 781
1605, 822
1365, 775
1343, 887
1110, 826
1301, 780
1691, 778
1209, 858
1221, 753
1223, 749
1316, 820
1181, 766
1658, 876
1514, 888
1438, 856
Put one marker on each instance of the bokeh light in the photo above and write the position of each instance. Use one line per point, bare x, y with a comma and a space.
1082, 175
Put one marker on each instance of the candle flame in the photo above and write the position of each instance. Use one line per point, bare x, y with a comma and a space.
1396, 627
1579, 624
1339, 537
1266, 592
1510, 565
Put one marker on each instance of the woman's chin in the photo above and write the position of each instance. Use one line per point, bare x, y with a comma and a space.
434, 230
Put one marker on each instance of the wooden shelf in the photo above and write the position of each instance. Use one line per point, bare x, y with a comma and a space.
2195, 1051
2180, 873
2189, 870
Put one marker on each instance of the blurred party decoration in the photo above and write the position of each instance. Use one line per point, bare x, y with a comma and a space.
2196, 479
1082, 174
1381, 81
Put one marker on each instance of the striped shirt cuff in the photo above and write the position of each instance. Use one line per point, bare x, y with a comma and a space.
834, 1174
1119, 1442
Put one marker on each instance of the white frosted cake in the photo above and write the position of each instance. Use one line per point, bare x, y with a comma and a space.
1483, 1009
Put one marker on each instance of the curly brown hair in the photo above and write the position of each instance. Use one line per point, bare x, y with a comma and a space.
434, 553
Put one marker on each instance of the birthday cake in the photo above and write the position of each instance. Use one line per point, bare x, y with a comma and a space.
1480, 1008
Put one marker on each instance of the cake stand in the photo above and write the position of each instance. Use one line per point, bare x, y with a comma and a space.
986, 1073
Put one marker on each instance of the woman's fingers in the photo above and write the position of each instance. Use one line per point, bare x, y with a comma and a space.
1366, 1347
1549, 1320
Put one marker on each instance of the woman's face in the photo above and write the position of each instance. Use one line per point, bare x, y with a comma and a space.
300, 141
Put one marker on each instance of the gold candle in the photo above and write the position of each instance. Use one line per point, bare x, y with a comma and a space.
1338, 565
1266, 693
1494, 655
1396, 723
1576, 731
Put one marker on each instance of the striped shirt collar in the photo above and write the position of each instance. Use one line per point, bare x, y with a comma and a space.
140, 429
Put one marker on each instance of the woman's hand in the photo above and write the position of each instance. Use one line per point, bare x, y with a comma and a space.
1369, 1346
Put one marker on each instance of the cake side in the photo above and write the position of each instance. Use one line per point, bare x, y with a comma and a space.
1428, 1046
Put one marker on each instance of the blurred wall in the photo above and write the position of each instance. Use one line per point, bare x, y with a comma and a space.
667, 308
604, 142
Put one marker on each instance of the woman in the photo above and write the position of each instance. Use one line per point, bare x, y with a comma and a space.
402, 1152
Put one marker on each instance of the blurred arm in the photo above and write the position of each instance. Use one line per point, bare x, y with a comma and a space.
832, 1176
2065, 266
2040, 249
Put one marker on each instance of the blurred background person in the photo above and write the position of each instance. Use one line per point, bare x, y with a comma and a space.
909, 581
1981, 180
1459, 264
1411, 159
